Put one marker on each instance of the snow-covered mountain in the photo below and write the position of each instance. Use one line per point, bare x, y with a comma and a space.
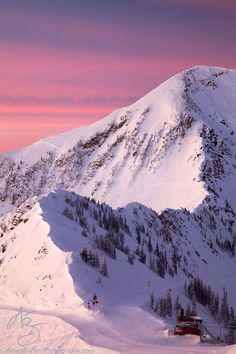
57, 250
162, 175
46, 235
168, 150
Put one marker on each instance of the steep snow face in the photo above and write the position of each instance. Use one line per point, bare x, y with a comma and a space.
170, 149
41, 244
35, 270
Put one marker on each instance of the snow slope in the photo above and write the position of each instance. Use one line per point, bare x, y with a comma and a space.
41, 269
45, 236
156, 149
64, 331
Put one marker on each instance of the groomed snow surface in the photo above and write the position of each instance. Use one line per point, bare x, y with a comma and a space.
78, 330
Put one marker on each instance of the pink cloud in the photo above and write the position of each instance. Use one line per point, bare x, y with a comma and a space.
47, 88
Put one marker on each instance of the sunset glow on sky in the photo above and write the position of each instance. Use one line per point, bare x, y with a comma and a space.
66, 63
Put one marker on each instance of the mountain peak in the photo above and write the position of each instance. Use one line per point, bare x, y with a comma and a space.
205, 68
158, 149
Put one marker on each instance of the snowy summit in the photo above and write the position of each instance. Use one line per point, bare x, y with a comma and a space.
154, 150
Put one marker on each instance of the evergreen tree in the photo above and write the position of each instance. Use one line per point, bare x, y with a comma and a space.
94, 229
185, 288
156, 252
142, 256
224, 310
163, 305
188, 310
103, 268
84, 254
160, 268
174, 259
93, 259
196, 290
150, 245
163, 308
169, 304
232, 318
191, 291
131, 258
89, 257
106, 243
177, 305
138, 238
151, 262
156, 306
194, 308
152, 301
137, 252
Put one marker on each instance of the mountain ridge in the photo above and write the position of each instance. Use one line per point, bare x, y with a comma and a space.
56, 226
148, 144
57, 140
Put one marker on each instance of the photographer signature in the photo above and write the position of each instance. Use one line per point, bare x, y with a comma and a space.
32, 333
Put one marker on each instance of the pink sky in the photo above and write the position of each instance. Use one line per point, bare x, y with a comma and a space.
64, 64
